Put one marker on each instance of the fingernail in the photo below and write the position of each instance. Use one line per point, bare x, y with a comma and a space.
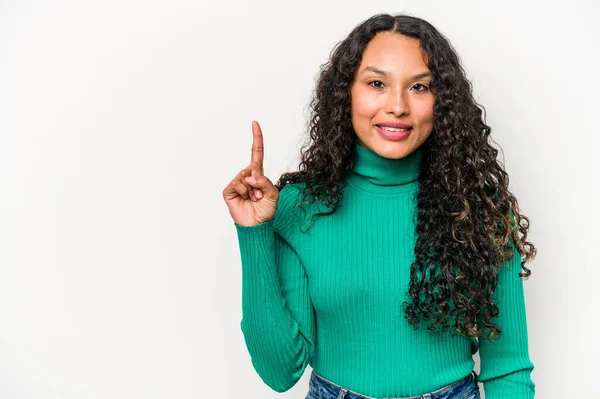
251, 179
258, 193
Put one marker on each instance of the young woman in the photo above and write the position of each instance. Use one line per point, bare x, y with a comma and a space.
395, 252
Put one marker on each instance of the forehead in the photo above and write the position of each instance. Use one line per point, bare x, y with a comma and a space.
392, 51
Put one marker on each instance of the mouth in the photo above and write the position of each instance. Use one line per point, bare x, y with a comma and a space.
393, 129
391, 133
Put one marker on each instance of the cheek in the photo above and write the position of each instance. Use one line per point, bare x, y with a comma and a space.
424, 112
364, 106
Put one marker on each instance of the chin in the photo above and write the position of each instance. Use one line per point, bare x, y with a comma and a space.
392, 149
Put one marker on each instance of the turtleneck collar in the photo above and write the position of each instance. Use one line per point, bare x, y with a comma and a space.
380, 175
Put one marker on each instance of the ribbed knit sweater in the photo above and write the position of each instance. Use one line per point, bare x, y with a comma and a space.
331, 297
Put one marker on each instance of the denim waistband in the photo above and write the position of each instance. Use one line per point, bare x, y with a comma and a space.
322, 388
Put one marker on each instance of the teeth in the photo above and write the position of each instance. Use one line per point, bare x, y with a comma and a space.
392, 129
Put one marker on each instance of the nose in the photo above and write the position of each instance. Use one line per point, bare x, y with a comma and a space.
397, 103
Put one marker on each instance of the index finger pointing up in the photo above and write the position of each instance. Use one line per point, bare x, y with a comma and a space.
257, 144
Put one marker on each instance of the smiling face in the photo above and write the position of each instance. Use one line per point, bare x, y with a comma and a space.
387, 88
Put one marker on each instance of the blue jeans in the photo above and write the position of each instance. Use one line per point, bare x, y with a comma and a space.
465, 388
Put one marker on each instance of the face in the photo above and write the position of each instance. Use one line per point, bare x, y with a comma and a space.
387, 89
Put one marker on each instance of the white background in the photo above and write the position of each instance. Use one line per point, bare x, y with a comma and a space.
122, 121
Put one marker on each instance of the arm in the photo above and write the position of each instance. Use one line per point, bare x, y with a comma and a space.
277, 316
505, 364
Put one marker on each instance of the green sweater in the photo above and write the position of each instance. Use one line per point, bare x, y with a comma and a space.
332, 297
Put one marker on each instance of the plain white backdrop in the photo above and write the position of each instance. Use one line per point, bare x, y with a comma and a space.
122, 121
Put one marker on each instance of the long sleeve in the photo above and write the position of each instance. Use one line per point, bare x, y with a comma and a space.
505, 364
277, 314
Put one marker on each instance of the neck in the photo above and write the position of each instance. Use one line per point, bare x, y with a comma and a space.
376, 174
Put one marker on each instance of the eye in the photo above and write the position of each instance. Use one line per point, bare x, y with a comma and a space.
375, 81
423, 89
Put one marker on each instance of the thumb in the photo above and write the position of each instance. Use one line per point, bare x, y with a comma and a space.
263, 183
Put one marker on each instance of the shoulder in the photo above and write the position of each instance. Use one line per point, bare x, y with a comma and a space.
289, 196
295, 212
287, 214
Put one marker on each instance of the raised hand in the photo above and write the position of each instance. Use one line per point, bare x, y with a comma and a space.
251, 197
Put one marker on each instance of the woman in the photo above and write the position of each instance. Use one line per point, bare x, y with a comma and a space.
394, 253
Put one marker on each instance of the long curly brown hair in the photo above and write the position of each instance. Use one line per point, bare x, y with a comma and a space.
468, 222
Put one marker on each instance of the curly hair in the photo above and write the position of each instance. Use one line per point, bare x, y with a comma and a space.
468, 222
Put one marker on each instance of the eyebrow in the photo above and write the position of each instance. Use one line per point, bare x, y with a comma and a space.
380, 72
